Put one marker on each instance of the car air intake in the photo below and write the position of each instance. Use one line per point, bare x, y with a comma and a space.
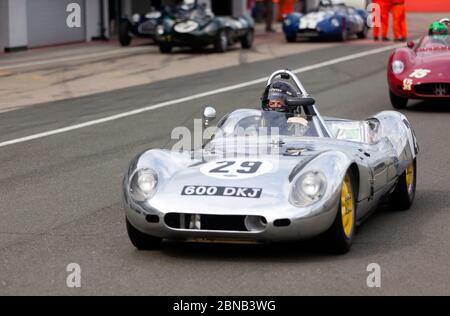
238, 223
433, 89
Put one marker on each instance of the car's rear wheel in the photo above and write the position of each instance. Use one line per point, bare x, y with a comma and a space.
363, 33
247, 40
221, 42
165, 48
340, 236
124, 33
405, 191
142, 241
397, 101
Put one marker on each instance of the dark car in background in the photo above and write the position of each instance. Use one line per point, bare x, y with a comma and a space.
197, 27
138, 26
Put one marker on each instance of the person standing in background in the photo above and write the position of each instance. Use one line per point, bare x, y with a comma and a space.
385, 9
269, 15
399, 14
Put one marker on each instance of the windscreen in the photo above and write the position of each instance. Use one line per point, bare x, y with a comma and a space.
435, 42
261, 123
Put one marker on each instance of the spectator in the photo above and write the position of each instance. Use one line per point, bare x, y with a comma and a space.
269, 16
399, 15
385, 8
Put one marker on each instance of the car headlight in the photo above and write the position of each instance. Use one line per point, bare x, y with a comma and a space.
160, 30
335, 22
136, 18
143, 185
308, 189
398, 67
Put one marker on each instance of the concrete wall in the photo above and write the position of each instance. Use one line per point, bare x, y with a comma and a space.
93, 21
3, 24
239, 7
13, 31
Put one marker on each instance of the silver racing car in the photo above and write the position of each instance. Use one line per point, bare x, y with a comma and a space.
270, 176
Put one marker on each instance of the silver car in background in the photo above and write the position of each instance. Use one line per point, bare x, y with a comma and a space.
288, 176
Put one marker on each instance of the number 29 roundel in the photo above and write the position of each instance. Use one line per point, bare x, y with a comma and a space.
236, 169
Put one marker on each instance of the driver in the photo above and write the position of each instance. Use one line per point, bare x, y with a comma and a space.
274, 100
275, 96
438, 32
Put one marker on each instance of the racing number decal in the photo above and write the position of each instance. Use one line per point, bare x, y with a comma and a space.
222, 169
245, 167
236, 169
420, 73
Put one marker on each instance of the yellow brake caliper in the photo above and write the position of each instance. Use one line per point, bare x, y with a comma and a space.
347, 206
410, 177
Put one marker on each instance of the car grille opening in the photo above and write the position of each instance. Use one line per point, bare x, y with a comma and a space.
282, 222
433, 89
239, 223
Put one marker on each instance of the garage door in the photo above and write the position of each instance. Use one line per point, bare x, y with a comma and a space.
47, 22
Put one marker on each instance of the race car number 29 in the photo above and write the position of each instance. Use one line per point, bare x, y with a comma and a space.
236, 169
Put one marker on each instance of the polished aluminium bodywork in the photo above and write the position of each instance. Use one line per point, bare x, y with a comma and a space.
377, 150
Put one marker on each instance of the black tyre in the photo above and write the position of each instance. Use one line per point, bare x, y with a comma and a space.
247, 40
291, 38
221, 42
339, 237
344, 35
405, 191
165, 48
124, 34
398, 102
142, 241
363, 33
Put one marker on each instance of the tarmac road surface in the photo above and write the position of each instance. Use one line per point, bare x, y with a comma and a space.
61, 194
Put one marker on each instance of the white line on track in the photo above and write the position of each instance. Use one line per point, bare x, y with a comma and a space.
193, 97
75, 58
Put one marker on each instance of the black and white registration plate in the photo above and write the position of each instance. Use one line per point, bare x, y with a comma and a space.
198, 190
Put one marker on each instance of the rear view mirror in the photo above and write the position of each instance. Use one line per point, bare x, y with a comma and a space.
410, 44
209, 114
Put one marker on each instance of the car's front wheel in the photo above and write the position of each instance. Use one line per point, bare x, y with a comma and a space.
363, 33
405, 191
344, 35
340, 235
247, 40
142, 241
221, 42
397, 101
124, 33
291, 38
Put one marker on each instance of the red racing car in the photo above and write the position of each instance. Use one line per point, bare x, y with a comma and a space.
421, 71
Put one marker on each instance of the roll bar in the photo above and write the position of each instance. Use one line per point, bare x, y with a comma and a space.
304, 101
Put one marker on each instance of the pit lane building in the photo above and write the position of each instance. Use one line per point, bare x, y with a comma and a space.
36, 23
